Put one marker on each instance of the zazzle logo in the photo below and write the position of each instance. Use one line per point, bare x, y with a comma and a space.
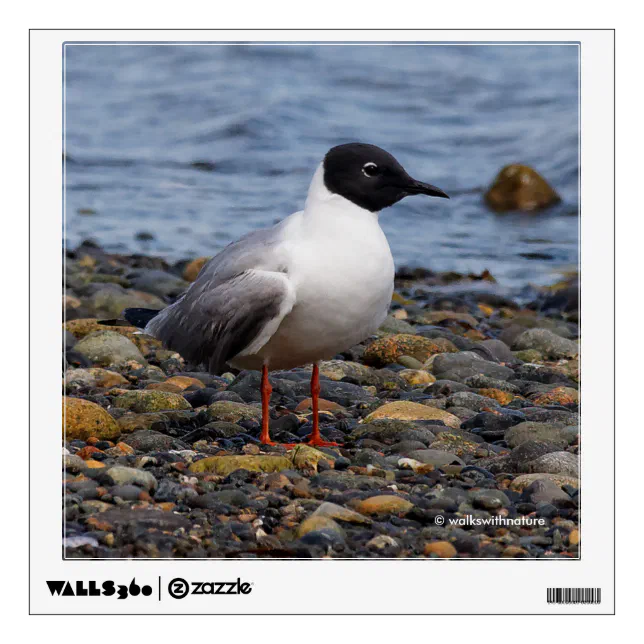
179, 588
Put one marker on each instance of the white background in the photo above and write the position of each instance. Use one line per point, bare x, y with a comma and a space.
339, 586
465, 14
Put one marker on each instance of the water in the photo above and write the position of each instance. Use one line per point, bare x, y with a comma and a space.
195, 145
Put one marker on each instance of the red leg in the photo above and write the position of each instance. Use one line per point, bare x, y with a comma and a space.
316, 438
266, 389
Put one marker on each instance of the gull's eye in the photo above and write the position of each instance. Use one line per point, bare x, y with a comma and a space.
370, 169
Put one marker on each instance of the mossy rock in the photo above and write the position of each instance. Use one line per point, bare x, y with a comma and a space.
233, 412
546, 342
94, 377
319, 523
523, 481
417, 377
557, 396
84, 326
224, 465
556, 433
529, 355
183, 382
305, 457
502, 397
455, 444
436, 317
338, 369
388, 349
108, 347
135, 422
82, 419
520, 187
149, 400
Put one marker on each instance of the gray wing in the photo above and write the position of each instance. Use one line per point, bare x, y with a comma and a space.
259, 249
217, 319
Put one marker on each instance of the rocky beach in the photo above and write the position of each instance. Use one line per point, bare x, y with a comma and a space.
459, 425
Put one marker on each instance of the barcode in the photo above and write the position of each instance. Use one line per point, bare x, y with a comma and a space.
574, 595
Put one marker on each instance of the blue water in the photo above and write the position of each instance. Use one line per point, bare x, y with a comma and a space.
197, 144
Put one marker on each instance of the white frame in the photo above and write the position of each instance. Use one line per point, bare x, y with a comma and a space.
521, 583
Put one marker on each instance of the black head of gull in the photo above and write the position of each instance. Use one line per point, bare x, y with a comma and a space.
370, 177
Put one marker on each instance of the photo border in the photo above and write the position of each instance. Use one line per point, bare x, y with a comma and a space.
314, 42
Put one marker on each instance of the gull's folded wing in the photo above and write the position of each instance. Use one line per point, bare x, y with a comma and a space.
213, 323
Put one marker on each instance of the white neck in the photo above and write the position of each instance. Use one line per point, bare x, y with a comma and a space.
320, 202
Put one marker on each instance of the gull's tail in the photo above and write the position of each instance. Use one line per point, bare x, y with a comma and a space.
140, 317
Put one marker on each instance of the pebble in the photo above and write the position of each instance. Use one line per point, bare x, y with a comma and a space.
107, 348
435, 457
417, 377
129, 475
556, 463
546, 432
465, 364
150, 401
549, 344
146, 440
384, 504
224, 465
232, 412
523, 481
388, 349
441, 549
405, 410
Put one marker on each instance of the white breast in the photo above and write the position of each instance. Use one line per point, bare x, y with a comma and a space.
342, 271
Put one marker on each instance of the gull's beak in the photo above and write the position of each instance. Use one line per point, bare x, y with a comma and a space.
419, 188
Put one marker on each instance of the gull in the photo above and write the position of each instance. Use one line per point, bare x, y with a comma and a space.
310, 287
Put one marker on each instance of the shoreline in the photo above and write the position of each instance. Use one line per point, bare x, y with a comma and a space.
464, 407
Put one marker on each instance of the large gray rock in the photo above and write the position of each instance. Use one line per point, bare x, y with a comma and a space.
393, 325
247, 387
343, 393
524, 454
470, 400
546, 491
500, 351
131, 476
555, 463
543, 415
159, 282
390, 431
147, 440
109, 300
108, 347
465, 364
485, 382
555, 433
489, 499
548, 343
435, 457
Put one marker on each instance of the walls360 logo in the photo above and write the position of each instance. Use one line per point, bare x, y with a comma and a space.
93, 589
180, 588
